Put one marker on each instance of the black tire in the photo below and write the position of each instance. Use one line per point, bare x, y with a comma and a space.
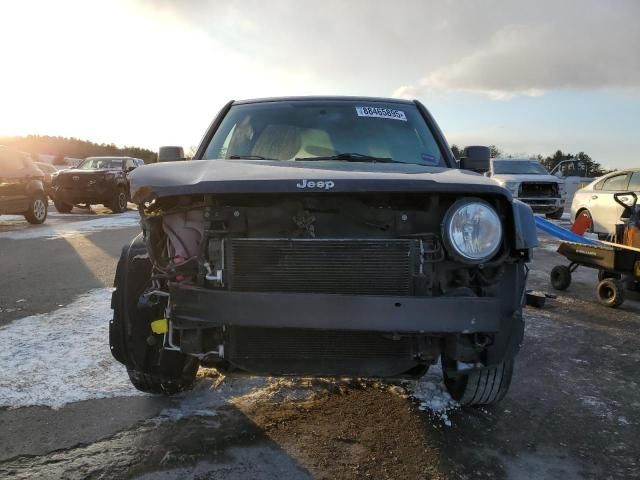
611, 292
481, 386
151, 368
557, 215
560, 277
63, 207
37, 212
603, 274
119, 202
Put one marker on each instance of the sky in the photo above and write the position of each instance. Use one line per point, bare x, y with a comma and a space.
529, 77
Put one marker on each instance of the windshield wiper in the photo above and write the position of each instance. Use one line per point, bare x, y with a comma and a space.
248, 157
351, 157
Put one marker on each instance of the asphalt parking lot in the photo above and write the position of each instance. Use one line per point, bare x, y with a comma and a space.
67, 410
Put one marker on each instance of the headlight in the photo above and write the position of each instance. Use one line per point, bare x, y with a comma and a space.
513, 187
472, 231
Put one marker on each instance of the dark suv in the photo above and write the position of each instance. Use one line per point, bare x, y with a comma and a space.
21, 186
324, 236
96, 180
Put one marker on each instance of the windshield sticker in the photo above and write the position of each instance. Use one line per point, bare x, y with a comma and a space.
379, 112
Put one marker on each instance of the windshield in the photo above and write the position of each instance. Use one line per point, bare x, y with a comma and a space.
347, 130
520, 167
101, 163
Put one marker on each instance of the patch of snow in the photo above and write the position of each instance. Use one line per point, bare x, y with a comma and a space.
211, 391
623, 421
432, 396
549, 246
63, 356
71, 229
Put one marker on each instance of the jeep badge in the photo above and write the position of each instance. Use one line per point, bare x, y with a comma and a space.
321, 184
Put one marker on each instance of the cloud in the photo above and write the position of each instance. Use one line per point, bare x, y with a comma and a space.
410, 47
581, 49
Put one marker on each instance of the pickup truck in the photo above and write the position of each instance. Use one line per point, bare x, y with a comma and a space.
529, 182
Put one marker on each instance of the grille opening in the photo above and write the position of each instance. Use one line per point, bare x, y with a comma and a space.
531, 189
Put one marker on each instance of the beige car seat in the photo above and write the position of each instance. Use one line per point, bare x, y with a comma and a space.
278, 141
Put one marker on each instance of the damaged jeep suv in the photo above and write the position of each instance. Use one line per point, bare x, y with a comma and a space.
323, 237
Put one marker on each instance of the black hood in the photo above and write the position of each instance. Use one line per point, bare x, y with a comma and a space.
267, 176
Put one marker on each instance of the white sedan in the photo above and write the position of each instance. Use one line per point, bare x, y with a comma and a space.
596, 199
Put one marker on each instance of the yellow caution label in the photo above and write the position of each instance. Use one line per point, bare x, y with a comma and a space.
160, 326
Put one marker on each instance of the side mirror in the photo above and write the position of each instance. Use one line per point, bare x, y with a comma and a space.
170, 154
130, 169
476, 158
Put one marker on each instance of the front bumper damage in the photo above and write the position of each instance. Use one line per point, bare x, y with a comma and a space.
195, 307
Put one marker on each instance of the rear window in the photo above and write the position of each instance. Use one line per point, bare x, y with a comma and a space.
634, 184
617, 183
291, 130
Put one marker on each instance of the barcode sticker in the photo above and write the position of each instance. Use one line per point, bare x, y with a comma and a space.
379, 112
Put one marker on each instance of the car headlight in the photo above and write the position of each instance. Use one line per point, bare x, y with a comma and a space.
513, 187
472, 231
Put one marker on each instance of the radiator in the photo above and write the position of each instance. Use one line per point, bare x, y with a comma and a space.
357, 267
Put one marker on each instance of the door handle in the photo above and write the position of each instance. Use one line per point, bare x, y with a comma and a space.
594, 197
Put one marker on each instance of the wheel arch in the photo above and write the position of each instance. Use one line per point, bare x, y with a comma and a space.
35, 187
133, 255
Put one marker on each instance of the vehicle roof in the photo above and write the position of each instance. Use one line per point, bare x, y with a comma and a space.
621, 171
323, 98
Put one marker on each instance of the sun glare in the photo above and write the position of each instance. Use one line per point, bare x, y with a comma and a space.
109, 71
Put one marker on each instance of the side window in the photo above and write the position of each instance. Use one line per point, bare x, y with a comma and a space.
598, 186
634, 184
10, 163
617, 183
129, 163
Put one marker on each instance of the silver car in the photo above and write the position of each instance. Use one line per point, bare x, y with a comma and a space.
596, 199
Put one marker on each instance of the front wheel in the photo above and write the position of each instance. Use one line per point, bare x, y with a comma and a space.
151, 368
62, 207
37, 212
119, 202
557, 215
477, 386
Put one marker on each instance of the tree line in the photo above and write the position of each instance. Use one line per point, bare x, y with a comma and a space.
593, 168
61, 147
